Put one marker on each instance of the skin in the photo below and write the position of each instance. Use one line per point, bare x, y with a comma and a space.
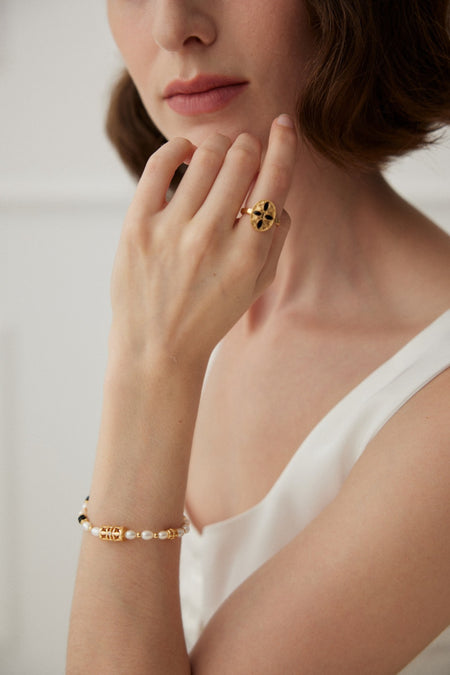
267, 51
356, 274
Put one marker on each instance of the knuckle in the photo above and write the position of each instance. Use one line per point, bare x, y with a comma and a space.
209, 156
135, 235
158, 159
153, 164
197, 241
247, 146
177, 144
245, 155
209, 151
216, 142
179, 141
247, 263
139, 232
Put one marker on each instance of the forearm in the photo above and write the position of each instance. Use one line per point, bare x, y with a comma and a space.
126, 615
184, 273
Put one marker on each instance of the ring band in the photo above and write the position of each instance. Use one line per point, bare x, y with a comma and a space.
263, 215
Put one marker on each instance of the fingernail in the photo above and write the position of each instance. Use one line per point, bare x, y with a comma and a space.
285, 121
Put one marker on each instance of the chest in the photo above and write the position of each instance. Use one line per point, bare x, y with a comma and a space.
261, 399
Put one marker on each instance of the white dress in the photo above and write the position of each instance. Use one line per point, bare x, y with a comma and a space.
215, 562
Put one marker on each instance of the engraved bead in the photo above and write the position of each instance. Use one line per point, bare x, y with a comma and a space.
116, 533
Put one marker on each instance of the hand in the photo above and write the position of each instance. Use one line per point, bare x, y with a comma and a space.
186, 271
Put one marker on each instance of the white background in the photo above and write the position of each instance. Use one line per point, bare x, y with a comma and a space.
63, 195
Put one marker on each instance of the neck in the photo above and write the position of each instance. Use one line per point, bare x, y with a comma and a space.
330, 263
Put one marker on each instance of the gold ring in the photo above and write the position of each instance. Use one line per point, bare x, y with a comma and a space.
263, 215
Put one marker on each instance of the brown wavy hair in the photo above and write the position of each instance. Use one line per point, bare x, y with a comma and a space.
378, 86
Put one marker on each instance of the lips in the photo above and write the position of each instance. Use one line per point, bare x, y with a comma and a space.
202, 94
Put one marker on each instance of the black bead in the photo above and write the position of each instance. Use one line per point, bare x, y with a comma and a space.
266, 206
268, 216
259, 224
81, 518
257, 213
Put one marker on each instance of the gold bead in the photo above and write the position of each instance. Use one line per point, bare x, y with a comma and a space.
108, 533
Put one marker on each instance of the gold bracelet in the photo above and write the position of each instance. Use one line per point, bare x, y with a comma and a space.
121, 533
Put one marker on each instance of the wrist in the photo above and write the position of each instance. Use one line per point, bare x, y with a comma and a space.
155, 356
149, 411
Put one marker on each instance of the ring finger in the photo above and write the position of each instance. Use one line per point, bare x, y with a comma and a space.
274, 179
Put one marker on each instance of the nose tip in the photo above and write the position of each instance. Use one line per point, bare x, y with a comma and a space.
175, 26
170, 39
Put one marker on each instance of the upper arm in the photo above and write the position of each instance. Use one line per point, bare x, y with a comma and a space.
364, 587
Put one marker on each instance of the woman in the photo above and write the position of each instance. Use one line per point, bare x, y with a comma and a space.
313, 460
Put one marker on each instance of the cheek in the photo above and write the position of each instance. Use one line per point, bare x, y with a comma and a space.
128, 28
115, 16
282, 43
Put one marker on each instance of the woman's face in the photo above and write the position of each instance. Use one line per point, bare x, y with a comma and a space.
213, 65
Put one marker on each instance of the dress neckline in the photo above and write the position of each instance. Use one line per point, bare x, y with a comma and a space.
394, 364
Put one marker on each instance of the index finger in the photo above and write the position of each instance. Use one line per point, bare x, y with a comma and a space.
150, 195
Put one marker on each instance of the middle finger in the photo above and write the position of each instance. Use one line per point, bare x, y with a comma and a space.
233, 182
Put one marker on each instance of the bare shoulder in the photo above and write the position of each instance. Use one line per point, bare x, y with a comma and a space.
419, 432
364, 588
408, 464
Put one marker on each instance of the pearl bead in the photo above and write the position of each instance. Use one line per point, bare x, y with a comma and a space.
114, 533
